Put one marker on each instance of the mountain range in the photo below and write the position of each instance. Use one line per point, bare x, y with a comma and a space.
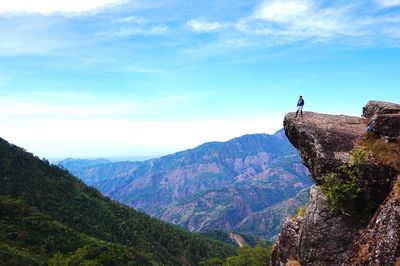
248, 184
49, 217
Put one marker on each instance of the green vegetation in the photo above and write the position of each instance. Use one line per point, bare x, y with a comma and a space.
379, 150
250, 239
29, 237
219, 234
300, 212
350, 189
223, 236
382, 152
340, 193
48, 216
245, 256
342, 189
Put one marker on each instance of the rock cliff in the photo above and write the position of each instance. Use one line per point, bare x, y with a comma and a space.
326, 144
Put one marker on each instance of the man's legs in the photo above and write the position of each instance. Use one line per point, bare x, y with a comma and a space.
299, 108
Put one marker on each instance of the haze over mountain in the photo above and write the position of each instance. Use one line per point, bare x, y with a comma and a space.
216, 185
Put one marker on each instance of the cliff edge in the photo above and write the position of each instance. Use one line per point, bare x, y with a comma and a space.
356, 154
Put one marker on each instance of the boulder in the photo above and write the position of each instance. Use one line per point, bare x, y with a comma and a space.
383, 119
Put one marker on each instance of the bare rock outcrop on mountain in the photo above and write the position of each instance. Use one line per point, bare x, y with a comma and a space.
379, 243
325, 143
287, 242
383, 119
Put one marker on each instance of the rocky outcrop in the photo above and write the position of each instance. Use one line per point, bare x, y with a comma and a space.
325, 143
383, 119
325, 237
237, 239
379, 244
287, 242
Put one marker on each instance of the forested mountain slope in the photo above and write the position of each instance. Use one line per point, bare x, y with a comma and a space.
47, 215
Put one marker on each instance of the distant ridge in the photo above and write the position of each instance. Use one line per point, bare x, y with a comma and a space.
215, 185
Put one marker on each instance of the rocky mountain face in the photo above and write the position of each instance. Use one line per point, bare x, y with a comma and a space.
268, 222
368, 163
216, 185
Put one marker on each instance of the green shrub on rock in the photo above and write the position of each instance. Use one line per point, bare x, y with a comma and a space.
339, 192
344, 187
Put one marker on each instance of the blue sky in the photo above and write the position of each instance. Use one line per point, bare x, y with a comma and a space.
144, 78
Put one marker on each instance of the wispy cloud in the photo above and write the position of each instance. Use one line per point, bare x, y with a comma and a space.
200, 25
388, 3
392, 32
283, 11
302, 19
134, 25
33, 35
138, 30
59, 6
283, 22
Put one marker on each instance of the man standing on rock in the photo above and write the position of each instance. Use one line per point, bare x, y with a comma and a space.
300, 104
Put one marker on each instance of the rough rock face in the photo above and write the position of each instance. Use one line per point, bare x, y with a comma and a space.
383, 119
324, 238
320, 238
324, 141
287, 242
380, 242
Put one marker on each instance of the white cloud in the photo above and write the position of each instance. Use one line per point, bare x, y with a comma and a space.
55, 6
279, 22
137, 30
238, 42
282, 11
292, 20
203, 25
157, 30
130, 19
134, 25
388, 3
